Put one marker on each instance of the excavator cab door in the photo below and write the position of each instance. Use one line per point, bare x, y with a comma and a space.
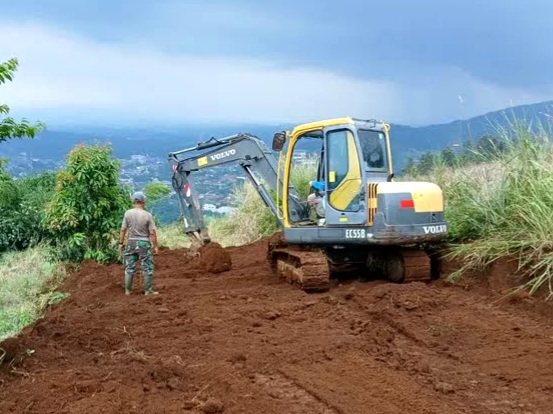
344, 198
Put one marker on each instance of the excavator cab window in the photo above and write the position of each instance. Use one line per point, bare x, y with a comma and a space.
305, 159
344, 177
373, 150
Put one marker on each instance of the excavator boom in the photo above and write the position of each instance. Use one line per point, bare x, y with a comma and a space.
246, 150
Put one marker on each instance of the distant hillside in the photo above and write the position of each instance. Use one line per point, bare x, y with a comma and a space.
406, 141
410, 141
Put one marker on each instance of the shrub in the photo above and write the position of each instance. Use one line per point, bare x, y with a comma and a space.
21, 209
88, 204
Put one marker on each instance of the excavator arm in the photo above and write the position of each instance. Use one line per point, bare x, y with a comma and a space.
250, 153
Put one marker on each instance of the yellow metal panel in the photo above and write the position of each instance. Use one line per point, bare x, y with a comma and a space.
321, 124
202, 161
427, 197
332, 176
346, 191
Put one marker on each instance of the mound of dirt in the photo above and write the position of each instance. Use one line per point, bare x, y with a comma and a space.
215, 259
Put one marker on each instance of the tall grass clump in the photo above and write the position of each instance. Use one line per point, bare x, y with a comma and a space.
27, 282
172, 236
302, 173
250, 220
504, 207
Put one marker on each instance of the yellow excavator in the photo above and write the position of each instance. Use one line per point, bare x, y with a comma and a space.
355, 217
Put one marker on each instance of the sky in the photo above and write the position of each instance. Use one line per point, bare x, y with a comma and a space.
403, 61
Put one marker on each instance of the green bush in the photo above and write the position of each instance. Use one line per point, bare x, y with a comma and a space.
22, 205
87, 206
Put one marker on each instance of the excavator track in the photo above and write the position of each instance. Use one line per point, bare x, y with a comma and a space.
311, 269
412, 265
307, 268
417, 266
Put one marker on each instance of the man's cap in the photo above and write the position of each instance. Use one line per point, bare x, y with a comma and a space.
139, 196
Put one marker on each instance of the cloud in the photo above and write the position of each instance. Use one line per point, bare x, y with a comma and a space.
64, 71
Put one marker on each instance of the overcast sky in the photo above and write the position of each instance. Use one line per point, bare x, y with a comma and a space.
404, 61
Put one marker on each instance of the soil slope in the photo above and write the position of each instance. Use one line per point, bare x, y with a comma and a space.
242, 341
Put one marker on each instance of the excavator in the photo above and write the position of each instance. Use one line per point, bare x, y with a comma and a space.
356, 217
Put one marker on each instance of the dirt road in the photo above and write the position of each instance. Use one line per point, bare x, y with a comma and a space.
243, 342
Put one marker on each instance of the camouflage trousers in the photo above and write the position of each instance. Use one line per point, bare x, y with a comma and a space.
139, 250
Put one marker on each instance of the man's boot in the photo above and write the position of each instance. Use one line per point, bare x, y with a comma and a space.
128, 284
148, 290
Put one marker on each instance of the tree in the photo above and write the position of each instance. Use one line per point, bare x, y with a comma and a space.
9, 128
87, 206
155, 190
409, 168
448, 157
490, 146
426, 163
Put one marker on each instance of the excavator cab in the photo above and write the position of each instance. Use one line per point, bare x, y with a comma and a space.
352, 154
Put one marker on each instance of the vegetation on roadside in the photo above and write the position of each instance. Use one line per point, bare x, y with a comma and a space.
252, 219
502, 206
172, 236
28, 280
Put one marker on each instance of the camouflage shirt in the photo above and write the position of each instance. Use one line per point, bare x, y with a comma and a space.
139, 224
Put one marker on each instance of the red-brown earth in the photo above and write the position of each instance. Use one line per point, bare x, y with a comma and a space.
242, 341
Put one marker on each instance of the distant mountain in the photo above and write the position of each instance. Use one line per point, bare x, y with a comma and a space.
158, 142
434, 137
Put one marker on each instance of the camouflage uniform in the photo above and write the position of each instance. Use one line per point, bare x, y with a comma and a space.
139, 250
139, 224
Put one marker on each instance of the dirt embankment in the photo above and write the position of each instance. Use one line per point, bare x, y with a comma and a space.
241, 341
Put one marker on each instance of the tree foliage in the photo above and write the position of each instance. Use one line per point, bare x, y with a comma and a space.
155, 190
22, 205
486, 148
87, 205
10, 128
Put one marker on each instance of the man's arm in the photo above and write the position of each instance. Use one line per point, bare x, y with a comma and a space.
153, 234
153, 240
122, 233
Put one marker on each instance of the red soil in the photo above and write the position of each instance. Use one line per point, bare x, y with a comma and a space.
214, 258
245, 342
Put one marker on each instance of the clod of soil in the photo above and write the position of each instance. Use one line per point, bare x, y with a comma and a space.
212, 406
215, 259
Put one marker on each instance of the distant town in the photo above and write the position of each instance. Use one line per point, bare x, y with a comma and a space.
216, 184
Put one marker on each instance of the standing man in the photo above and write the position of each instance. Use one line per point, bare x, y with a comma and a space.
142, 236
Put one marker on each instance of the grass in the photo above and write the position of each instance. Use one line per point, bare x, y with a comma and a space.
504, 208
252, 219
27, 286
172, 236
